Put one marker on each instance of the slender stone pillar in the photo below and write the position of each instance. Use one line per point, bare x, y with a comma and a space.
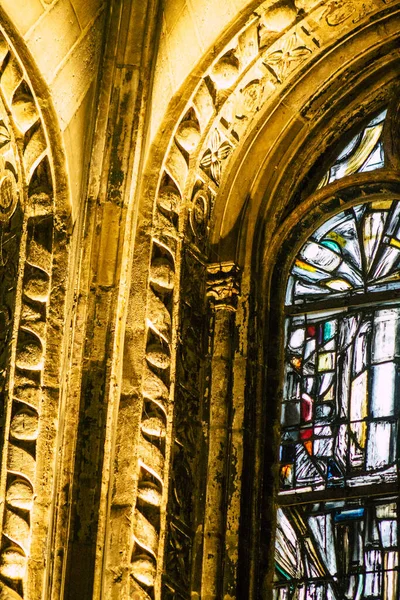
223, 290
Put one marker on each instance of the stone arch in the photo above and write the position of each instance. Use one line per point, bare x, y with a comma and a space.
59, 53
210, 187
35, 230
315, 210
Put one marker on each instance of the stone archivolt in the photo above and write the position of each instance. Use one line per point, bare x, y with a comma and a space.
29, 245
273, 50
264, 65
154, 444
189, 393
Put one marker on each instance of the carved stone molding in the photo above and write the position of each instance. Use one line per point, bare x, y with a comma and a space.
32, 245
187, 475
259, 64
223, 288
270, 53
154, 441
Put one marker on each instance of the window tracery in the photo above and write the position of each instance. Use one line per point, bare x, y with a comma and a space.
337, 515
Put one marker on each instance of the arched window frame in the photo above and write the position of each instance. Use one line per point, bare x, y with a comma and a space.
309, 210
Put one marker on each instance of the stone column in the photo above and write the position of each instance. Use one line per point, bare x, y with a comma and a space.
223, 290
94, 566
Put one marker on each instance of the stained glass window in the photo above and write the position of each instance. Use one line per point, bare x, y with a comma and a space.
363, 153
354, 252
338, 504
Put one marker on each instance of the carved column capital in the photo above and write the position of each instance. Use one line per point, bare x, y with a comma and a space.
223, 285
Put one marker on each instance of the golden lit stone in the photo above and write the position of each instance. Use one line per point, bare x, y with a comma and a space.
143, 570
12, 564
162, 275
158, 356
25, 113
16, 527
154, 388
150, 494
154, 426
225, 72
169, 199
37, 285
278, 19
19, 495
24, 425
188, 135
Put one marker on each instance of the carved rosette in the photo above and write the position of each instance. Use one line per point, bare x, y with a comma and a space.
26, 244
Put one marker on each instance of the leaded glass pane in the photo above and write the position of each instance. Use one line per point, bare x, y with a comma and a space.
363, 153
338, 550
356, 251
336, 535
340, 406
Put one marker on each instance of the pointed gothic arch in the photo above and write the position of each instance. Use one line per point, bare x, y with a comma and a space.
35, 230
376, 189
222, 175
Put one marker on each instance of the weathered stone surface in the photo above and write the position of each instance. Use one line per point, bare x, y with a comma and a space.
12, 565
21, 461
24, 425
188, 135
24, 111
159, 316
17, 529
169, 199
154, 426
27, 207
30, 351
37, 285
162, 275
213, 120
150, 494
158, 356
225, 72
154, 388
20, 495
143, 569
145, 534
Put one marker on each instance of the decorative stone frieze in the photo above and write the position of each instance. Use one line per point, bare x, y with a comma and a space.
157, 394
275, 46
249, 76
216, 153
225, 72
153, 441
29, 408
187, 474
281, 60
